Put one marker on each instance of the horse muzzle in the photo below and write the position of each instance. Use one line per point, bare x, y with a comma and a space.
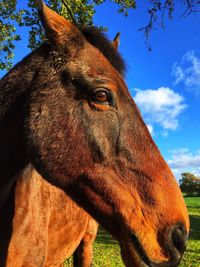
173, 244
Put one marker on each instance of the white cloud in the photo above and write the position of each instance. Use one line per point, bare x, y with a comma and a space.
160, 106
196, 172
150, 128
187, 71
182, 160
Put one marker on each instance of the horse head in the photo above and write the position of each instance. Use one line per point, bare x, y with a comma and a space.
85, 134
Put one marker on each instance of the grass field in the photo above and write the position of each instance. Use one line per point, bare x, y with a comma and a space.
192, 255
107, 252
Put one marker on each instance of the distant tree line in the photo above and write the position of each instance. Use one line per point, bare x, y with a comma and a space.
190, 184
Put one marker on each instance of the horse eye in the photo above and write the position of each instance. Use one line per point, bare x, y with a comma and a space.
102, 97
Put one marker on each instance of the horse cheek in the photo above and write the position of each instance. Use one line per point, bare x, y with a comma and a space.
56, 143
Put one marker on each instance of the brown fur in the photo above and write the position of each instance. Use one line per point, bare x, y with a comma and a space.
99, 153
37, 218
46, 219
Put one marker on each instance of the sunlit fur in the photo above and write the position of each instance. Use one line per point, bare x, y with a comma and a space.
60, 147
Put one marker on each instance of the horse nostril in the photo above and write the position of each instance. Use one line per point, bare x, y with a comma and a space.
179, 237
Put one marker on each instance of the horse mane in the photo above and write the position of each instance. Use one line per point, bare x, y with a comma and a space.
98, 39
16, 84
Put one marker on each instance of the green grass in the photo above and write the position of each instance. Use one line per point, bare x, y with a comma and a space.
192, 255
107, 252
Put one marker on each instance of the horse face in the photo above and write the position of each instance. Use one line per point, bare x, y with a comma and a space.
86, 135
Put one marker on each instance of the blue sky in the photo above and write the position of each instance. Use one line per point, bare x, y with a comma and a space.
165, 83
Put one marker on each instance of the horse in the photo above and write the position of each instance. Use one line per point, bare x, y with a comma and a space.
76, 152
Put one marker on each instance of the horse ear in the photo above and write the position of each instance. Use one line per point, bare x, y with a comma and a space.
55, 26
116, 41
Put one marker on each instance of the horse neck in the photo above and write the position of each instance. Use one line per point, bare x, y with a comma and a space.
14, 89
13, 154
17, 83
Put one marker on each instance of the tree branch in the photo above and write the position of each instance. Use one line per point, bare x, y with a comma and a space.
69, 11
